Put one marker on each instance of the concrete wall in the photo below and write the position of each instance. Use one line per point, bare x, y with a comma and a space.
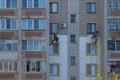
86, 59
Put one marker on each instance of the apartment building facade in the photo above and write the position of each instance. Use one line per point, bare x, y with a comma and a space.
88, 32
80, 54
24, 39
111, 36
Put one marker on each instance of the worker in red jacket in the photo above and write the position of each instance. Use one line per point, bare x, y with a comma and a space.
55, 39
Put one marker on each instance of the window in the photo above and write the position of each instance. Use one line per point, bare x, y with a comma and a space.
33, 24
53, 28
34, 66
91, 70
114, 66
8, 3
33, 4
54, 69
114, 6
91, 49
91, 28
54, 7
8, 45
72, 60
113, 24
33, 45
8, 66
73, 78
91, 7
8, 24
109, 5
111, 45
54, 49
72, 38
73, 18
114, 45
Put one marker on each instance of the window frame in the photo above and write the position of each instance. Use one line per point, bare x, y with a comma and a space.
96, 68
58, 69
11, 42
33, 47
73, 39
13, 64
33, 66
89, 26
73, 20
10, 4
51, 8
90, 7
10, 24
96, 49
33, 4
115, 45
73, 62
51, 28
33, 24
54, 54
72, 78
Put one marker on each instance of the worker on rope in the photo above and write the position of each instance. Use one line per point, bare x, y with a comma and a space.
55, 39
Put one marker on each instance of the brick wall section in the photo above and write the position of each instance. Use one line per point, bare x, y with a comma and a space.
7, 13
33, 12
115, 55
33, 76
7, 76
34, 55
115, 34
114, 12
6, 34
33, 34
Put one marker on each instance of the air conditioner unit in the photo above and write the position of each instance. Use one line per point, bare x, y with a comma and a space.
63, 25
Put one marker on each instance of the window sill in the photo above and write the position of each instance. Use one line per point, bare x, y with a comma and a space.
91, 75
55, 54
35, 72
32, 30
91, 54
54, 75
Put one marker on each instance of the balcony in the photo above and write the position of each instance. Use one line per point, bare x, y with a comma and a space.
33, 12
115, 34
